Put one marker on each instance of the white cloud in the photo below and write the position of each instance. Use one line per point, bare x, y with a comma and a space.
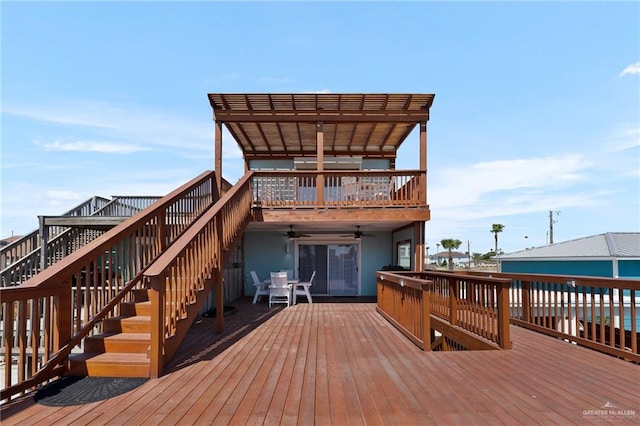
92, 146
465, 185
126, 122
631, 70
625, 139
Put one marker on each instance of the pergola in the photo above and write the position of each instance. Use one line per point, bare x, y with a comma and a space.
276, 126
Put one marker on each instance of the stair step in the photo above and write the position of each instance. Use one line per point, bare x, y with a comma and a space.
118, 342
134, 324
108, 365
140, 294
136, 308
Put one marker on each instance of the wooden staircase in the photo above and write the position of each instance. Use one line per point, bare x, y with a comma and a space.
122, 349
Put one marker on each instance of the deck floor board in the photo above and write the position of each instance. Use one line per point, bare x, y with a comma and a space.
342, 363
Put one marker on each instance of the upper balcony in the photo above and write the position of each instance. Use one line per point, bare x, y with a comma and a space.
316, 156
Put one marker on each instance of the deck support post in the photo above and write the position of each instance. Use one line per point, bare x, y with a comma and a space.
426, 317
219, 281
62, 311
423, 161
44, 238
157, 299
320, 163
504, 339
418, 238
218, 157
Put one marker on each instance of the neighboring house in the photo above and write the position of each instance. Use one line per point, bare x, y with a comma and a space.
613, 254
326, 194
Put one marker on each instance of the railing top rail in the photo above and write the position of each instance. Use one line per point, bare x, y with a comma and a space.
65, 266
136, 197
70, 212
167, 257
462, 276
403, 279
579, 280
396, 172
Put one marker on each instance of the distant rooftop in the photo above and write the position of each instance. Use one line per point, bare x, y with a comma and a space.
608, 245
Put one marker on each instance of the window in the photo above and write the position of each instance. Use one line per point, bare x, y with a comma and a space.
404, 254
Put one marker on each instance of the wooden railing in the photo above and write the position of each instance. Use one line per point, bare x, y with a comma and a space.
599, 313
26, 244
404, 301
45, 318
185, 273
401, 188
473, 311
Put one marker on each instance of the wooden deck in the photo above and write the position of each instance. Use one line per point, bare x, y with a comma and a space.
342, 363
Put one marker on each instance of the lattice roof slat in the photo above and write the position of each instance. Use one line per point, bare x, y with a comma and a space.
281, 125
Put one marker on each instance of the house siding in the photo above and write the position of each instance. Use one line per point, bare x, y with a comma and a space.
265, 252
629, 268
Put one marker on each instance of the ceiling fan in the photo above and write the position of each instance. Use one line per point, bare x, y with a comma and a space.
292, 235
357, 234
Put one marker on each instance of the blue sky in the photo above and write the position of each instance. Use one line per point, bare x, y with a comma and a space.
537, 105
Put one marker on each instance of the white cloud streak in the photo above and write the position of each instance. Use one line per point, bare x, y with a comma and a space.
127, 122
632, 69
93, 146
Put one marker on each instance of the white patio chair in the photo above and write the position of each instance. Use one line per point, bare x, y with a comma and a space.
279, 289
350, 187
262, 289
302, 289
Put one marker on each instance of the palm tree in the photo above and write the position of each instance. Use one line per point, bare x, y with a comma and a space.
450, 244
496, 228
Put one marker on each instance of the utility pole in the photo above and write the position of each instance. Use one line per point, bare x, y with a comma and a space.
551, 222
469, 252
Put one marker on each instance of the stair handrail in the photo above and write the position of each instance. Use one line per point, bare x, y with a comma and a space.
191, 267
32, 239
34, 257
65, 297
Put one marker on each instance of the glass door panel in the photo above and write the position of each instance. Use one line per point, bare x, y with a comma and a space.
312, 257
343, 269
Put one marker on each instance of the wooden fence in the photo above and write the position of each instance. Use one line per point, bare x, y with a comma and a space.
472, 311
599, 313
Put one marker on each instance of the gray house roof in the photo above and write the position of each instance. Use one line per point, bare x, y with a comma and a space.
608, 245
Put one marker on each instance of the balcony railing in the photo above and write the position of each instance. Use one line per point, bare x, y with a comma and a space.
294, 189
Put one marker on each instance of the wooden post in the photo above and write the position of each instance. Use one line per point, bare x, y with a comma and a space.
157, 299
218, 157
504, 339
320, 164
62, 318
418, 237
423, 161
219, 282
526, 301
426, 317
44, 238
453, 300
162, 231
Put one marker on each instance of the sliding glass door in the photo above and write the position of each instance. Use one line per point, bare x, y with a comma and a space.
336, 267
